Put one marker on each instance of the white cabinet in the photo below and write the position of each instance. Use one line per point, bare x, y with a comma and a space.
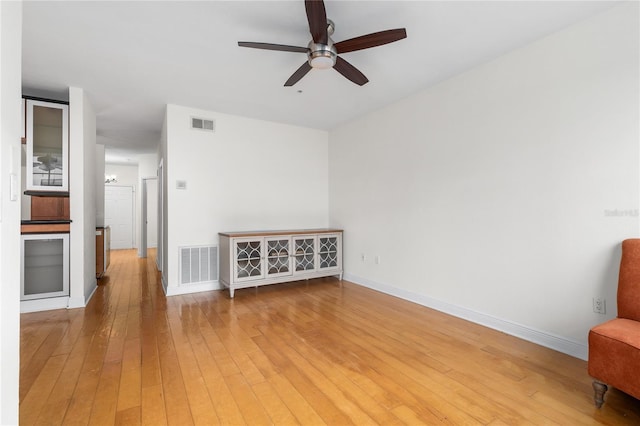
47, 139
251, 259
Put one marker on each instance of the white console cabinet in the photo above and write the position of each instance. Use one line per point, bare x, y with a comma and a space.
251, 259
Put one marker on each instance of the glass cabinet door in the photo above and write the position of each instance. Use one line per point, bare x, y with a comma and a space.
47, 146
278, 256
45, 266
328, 255
304, 254
248, 259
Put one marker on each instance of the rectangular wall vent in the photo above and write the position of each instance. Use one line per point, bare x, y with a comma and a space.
198, 264
203, 124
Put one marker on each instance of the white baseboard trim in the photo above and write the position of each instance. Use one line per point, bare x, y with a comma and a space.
76, 302
164, 284
549, 340
192, 288
91, 295
81, 302
49, 304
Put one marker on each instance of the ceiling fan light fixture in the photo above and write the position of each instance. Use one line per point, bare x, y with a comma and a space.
322, 62
322, 56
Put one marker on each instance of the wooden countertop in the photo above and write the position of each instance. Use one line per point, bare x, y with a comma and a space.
45, 222
282, 232
47, 193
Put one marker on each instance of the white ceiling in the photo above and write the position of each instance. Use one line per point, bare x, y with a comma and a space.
132, 58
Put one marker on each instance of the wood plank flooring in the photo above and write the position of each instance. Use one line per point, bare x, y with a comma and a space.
300, 353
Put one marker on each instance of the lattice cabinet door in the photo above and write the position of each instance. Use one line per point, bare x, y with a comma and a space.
329, 255
278, 256
304, 254
248, 259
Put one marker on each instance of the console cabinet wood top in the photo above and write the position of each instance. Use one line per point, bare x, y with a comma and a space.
284, 232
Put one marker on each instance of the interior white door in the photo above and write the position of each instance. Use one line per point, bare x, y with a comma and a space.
118, 214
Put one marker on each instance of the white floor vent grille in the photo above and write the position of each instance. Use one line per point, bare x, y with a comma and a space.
198, 264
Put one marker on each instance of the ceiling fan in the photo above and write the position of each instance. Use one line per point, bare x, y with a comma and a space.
322, 52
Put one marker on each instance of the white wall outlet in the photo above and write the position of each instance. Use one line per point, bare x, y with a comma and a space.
377, 260
599, 305
363, 257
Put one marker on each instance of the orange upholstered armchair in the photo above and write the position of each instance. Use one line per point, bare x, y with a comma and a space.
614, 347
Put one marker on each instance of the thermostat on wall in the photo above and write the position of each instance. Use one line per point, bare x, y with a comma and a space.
181, 184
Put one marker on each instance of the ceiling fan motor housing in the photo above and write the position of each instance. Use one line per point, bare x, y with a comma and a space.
322, 55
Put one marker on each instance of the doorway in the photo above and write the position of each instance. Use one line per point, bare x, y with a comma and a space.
148, 216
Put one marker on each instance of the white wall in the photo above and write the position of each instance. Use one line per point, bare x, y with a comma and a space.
490, 194
126, 174
82, 201
152, 212
99, 172
163, 205
147, 165
10, 93
249, 174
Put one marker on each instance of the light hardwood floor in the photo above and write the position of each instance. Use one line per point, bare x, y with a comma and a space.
300, 353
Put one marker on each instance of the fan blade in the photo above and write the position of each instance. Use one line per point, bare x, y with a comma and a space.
271, 46
317, 17
349, 71
296, 76
371, 40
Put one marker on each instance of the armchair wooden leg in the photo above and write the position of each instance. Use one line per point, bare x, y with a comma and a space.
599, 390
